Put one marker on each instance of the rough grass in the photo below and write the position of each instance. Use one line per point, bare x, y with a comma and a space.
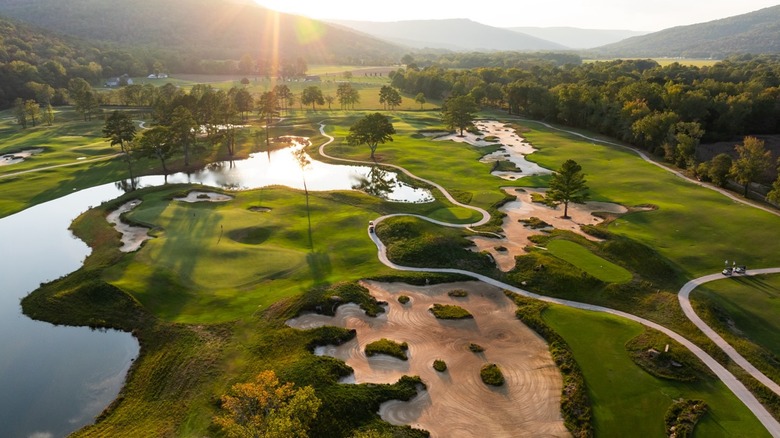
491, 375
449, 311
626, 400
744, 311
388, 347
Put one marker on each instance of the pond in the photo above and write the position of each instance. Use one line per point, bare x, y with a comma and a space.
54, 380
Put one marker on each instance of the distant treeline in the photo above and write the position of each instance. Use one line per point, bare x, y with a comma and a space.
666, 110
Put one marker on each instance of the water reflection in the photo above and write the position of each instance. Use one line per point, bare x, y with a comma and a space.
281, 167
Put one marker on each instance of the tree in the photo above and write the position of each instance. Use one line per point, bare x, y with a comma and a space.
458, 112
119, 130
774, 194
372, 130
330, 100
312, 95
48, 115
568, 185
420, 98
719, 169
182, 129
267, 409
347, 95
284, 95
242, 101
19, 112
158, 142
267, 107
303, 163
33, 110
389, 96
752, 162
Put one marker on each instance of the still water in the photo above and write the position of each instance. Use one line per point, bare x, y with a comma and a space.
54, 380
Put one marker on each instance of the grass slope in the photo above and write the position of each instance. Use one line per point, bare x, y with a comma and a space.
626, 400
594, 265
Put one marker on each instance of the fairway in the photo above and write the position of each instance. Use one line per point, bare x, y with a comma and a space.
594, 265
626, 400
694, 227
752, 304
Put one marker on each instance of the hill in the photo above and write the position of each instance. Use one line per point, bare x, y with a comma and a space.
756, 32
211, 29
577, 38
452, 34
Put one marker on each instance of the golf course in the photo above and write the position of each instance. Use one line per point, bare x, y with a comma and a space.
209, 295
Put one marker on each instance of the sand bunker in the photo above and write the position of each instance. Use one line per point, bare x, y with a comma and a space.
196, 196
132, 237
456, 402
18, 157
517, 233
514, 148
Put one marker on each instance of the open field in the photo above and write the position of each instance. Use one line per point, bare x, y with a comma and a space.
627, 401
744, 311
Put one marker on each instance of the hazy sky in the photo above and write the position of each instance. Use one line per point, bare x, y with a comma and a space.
650, 15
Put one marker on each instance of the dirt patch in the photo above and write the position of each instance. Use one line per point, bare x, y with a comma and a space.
196, 196
456, 402
523, 208
132, 236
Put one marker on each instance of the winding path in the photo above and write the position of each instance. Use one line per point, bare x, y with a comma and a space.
772, 425
685, 303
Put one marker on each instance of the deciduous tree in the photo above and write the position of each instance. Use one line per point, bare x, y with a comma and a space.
752, 162
266, 408
420, 98
312, 95
372, 130
568, 185
157, 142
458, 112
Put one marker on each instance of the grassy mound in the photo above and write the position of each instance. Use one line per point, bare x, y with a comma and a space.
251, 235
491, 375
439, 365
403, 299
449, 311
388, 347
458, 293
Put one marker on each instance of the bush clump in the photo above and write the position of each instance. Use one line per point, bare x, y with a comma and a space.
535, 223
439, 365
388, 347
491, 375
458, 293
476, 348
449, 311
403, 299
682, 417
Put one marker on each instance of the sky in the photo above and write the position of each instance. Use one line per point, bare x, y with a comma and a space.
644, 15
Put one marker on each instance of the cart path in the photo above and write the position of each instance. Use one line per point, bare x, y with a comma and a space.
739, 390
684, 297
674, 172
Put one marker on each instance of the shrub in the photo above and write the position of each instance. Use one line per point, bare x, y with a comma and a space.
448, 311
476, 348
388, 347
403, 299
535, 223
682, 417
439, 365
458, 293
491, 375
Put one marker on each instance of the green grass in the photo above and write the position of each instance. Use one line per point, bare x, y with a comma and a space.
694, 227
594, 265
388, 347
449, 311
626, 400
744, 311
